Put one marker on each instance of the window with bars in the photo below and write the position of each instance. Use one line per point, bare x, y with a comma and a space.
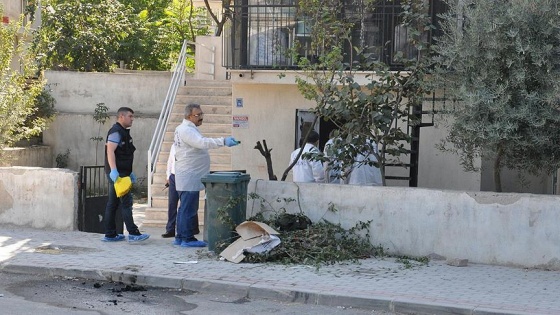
267, 34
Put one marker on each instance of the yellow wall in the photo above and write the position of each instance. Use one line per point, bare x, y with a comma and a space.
271, 103
271, 112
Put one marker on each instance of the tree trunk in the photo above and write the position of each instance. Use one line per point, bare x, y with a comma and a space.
219, 24
497, 168
263, 149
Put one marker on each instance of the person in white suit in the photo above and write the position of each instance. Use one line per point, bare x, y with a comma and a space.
306, 170
362, 173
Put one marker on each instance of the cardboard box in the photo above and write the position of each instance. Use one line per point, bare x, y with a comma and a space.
255, 237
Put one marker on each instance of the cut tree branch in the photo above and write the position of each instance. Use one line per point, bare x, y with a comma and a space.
263, 149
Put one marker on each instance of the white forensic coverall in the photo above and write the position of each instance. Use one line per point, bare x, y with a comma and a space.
365, 174
331, 176
307, 170
192, 160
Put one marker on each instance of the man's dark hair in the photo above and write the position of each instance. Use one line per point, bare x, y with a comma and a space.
312, 137
124, 110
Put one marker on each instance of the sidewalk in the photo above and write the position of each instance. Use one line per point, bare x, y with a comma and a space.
379, 284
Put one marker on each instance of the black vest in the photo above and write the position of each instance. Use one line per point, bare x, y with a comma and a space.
124, 154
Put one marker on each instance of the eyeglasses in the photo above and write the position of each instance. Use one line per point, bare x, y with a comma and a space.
198, 115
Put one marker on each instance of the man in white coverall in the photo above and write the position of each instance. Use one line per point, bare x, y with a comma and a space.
331, 175
192, 162
306, 170
364, 174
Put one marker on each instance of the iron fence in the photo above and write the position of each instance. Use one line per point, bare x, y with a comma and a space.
93, 196
268, 34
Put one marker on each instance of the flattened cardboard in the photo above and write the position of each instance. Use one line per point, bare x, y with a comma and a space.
251, 233
251, 229
235, 251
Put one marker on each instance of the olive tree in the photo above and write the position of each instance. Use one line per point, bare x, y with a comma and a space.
500, 61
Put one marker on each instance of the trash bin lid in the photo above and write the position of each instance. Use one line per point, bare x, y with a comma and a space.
225, 177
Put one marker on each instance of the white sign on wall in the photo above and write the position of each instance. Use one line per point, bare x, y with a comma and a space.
241, 121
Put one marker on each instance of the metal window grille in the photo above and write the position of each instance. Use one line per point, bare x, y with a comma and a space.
262, 33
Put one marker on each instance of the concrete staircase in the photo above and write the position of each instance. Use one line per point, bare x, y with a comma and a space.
214, 98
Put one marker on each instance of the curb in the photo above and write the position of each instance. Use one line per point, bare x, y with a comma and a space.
260, 291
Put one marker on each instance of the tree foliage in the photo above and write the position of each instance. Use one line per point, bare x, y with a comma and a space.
19, 88
98, 35
162, 26
41, 115
362, 96
501, 61
83, 36
183, 21
145, 48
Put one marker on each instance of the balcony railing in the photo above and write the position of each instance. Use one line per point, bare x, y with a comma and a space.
267, 34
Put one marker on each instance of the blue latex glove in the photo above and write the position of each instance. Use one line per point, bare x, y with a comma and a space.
230, 141
114, 174
133, 177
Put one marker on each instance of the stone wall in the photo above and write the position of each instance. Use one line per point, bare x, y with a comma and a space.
42, 198
484, 227
491, 228
37, 155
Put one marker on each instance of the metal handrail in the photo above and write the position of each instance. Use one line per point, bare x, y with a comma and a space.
159, 133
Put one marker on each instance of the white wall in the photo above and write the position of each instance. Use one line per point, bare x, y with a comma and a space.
491, 228
438, 169
42, 198
77, 94
208, 62
271, 110
74, 132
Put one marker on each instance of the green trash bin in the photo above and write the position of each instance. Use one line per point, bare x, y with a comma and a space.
221, 187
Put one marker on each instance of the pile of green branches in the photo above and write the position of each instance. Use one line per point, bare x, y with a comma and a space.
302, 242
321, 243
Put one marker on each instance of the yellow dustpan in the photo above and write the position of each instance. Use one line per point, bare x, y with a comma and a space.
123, 186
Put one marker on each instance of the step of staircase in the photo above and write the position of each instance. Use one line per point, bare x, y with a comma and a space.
214, 97
206, 83
202, 99
208, 109
205, 90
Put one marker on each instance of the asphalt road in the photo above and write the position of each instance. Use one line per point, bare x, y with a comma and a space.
31, 294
